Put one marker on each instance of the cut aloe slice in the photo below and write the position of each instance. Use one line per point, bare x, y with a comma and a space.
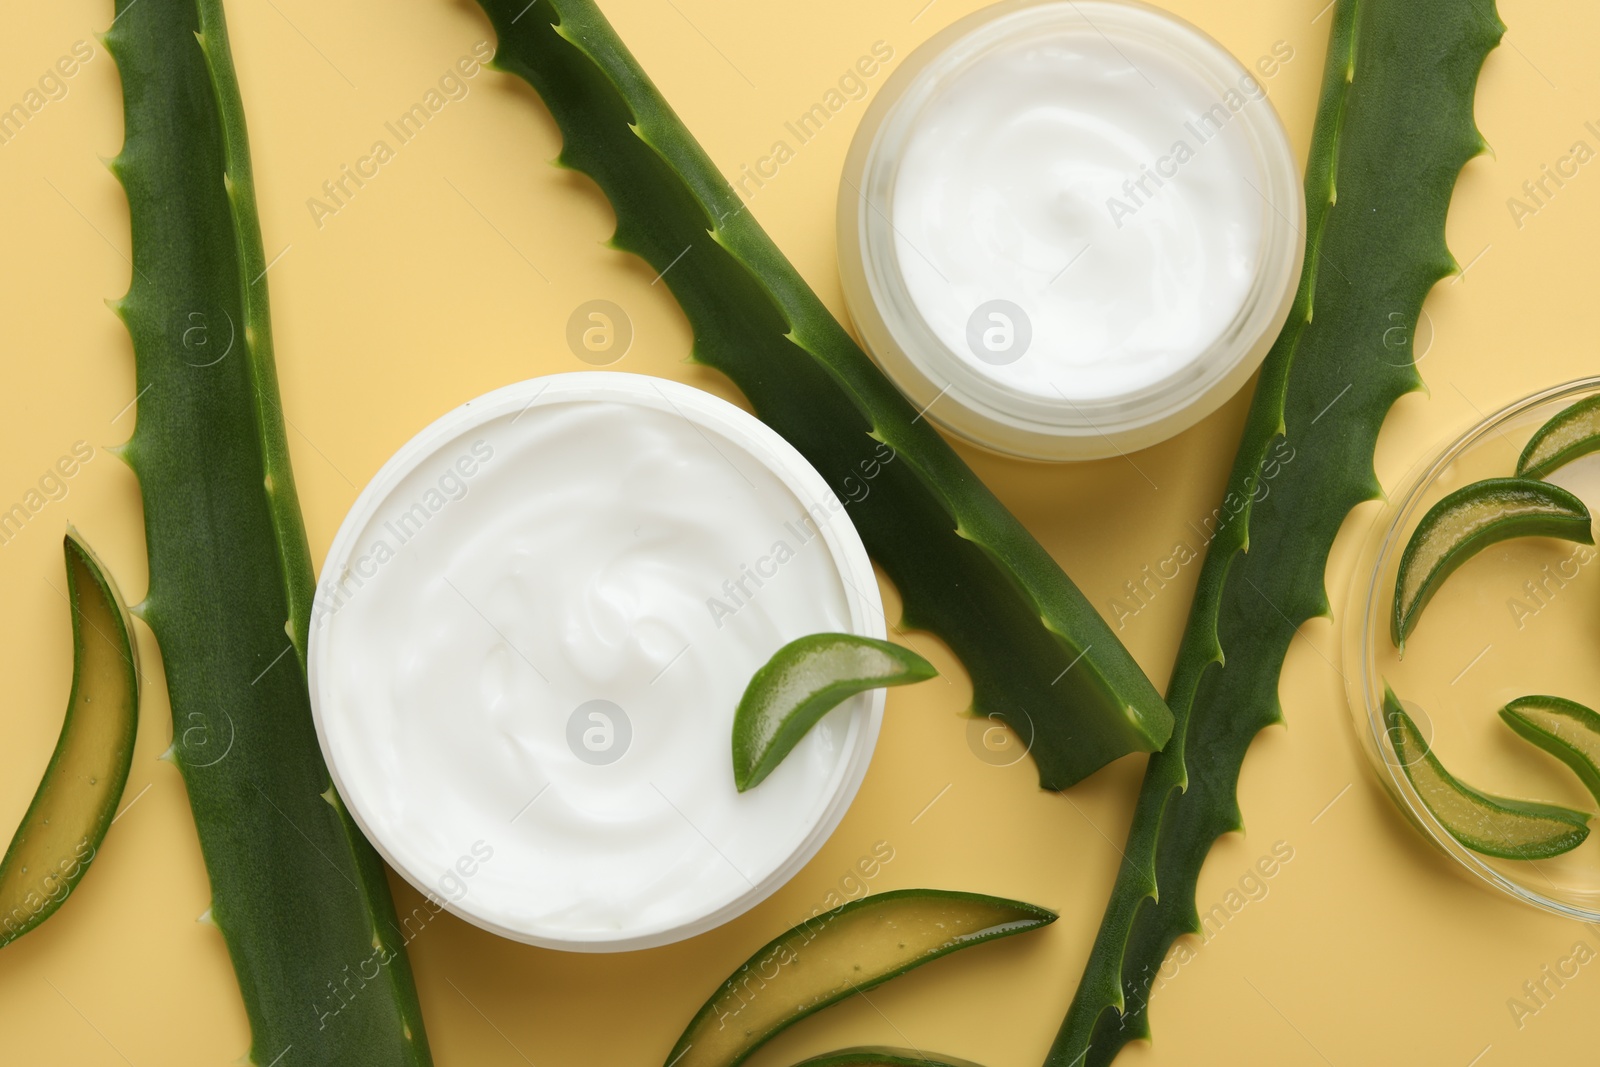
1494, 826
1564, 728
1574, 432
77, 797
877, 1056
1468, 521
802, 682
839, 953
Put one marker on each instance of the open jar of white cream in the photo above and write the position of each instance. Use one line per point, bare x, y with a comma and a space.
1070, 228
529, 640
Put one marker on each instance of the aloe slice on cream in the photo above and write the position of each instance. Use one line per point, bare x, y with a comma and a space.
802, 682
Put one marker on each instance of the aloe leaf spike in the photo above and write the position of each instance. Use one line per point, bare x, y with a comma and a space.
294, 553
298, 894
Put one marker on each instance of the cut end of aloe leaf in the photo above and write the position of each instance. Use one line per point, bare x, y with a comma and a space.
838, 954
1564, 728
879, 1056
804, 680
1573, 432
1468, 521
78, 794
1492, 825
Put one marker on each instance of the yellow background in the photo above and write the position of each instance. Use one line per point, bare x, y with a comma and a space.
455, 270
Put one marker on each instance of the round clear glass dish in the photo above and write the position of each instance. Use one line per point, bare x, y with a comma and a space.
952, 388
1521, 617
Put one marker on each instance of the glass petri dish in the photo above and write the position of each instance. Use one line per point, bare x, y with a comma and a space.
1522, 617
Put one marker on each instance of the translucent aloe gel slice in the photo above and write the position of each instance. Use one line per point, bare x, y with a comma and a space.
804, 680
1494, 826
77, 797
1564, 728
1465, 523
1573, 432
838, 954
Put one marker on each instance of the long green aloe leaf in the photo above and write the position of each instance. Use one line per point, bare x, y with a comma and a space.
298, 894
1038, 653
1393, 129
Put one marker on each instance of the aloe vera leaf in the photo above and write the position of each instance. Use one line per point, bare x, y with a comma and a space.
1495, 826
1393, 129
1572, 432
802, 682
1564, 728
838, 954
298, 894
1039, 655
1466, 522
76, 801
294, 552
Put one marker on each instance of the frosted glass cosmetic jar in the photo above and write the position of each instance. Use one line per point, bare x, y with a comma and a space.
1071, 229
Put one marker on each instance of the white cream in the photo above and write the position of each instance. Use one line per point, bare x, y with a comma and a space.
1070, 229
528, 646
1103, 188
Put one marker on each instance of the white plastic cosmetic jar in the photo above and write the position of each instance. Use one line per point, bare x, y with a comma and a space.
531, 634
1069, 230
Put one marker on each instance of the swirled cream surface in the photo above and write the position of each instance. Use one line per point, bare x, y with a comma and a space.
1078, 211
530, 640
